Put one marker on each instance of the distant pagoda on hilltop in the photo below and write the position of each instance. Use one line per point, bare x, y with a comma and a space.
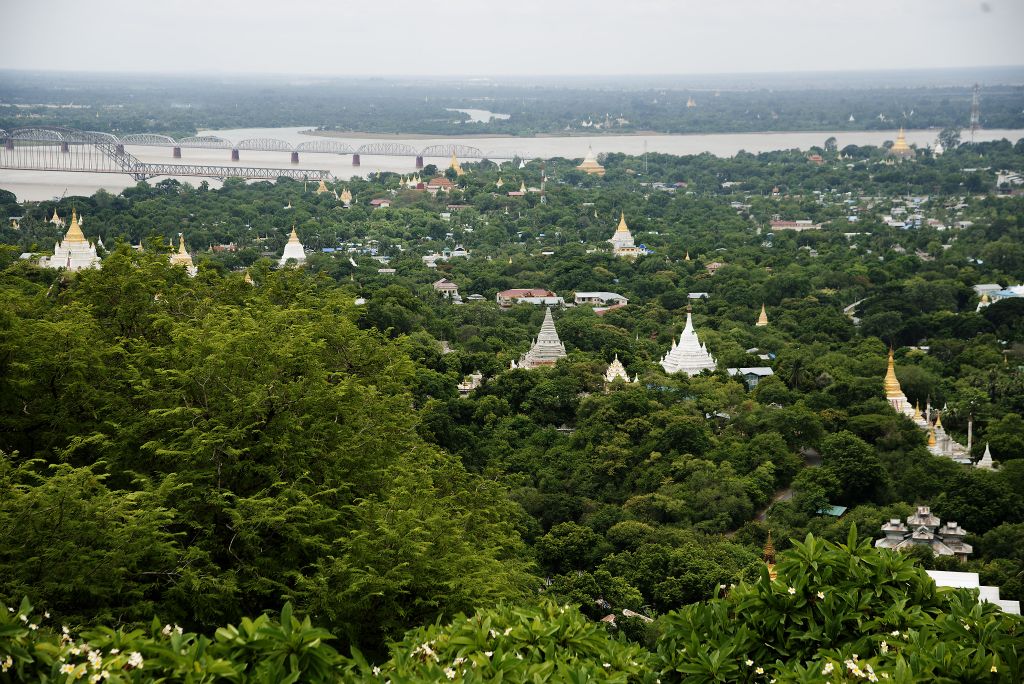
688, 355
546, 349
762, 320
590, 165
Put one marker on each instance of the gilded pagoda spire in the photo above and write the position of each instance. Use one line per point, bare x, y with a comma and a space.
931, 437
892, 384
762, 320
938, 420
917, 410
622, 227
74, 233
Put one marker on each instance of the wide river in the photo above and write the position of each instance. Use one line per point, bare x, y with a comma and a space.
45, 185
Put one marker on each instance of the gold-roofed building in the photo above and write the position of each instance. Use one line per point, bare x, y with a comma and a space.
589, 164
622, 241
346, 197
322, 188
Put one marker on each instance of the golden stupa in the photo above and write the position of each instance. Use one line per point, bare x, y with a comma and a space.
455, 166
938, 420
499, 183
74, 234
917, 410
931, 437
900, 148
762, 320
346, 196
322, 188
590, 165
892, 384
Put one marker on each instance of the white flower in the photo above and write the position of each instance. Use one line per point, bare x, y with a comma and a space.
993, 668
23, 618
492, 633
67, 669
95, 659
759, 670
519, 656
508, 630
33, 626
64, 628
166, 631
607, 665
449, 673
135, 660
488, 653
749, 662
177, 629
46, 615
885, 647
791, 591
821, 594
827, 670
115, 651
458, 661
376, 671
894, 633
6, 665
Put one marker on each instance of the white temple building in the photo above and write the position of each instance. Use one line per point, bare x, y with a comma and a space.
616, 371
688, 355
293, 250
183, 258
986, 462
74, 252
546, 349
622, 241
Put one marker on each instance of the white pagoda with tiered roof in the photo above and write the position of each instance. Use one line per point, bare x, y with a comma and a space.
616, 371
688, 355
622, 241
293, 250
546, 349
74, 252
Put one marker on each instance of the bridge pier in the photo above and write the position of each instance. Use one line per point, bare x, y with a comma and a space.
176, 153
355, 160
64, 147
419, 161
234, 155
295, 157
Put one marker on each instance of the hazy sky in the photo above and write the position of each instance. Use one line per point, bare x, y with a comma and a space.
527, 37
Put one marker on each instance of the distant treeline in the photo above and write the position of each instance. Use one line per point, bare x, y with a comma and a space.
177, 106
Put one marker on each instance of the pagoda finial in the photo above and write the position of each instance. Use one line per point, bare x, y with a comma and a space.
181, 244
931, 437
622, 222
892, 384
938, 419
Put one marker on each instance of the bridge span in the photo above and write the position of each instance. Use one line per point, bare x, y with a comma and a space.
67, 136
56, 149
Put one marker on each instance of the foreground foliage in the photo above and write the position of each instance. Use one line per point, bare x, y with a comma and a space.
835, 613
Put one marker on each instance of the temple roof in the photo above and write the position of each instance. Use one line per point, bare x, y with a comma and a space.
689, 355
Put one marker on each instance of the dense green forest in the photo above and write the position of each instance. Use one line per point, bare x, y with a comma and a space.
178, 106
180, 451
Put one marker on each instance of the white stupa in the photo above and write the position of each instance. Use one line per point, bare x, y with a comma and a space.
547, 348
689, 355
74, 252
293, 250
986, 462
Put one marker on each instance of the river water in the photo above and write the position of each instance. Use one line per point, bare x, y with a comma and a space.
45, 185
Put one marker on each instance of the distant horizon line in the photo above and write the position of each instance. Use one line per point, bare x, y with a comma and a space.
485, 76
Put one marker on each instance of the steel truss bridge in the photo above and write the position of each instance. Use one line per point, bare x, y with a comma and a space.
213, 142
66, 149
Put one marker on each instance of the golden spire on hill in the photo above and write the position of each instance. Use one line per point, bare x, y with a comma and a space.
74, 233
499, 183
687, 255
762, 320
917, 410
931, 437
622, 227
938, 420
455, 166
322, 188
248, 278
892, 385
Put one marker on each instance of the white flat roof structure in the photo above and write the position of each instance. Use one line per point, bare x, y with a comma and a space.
969, 580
